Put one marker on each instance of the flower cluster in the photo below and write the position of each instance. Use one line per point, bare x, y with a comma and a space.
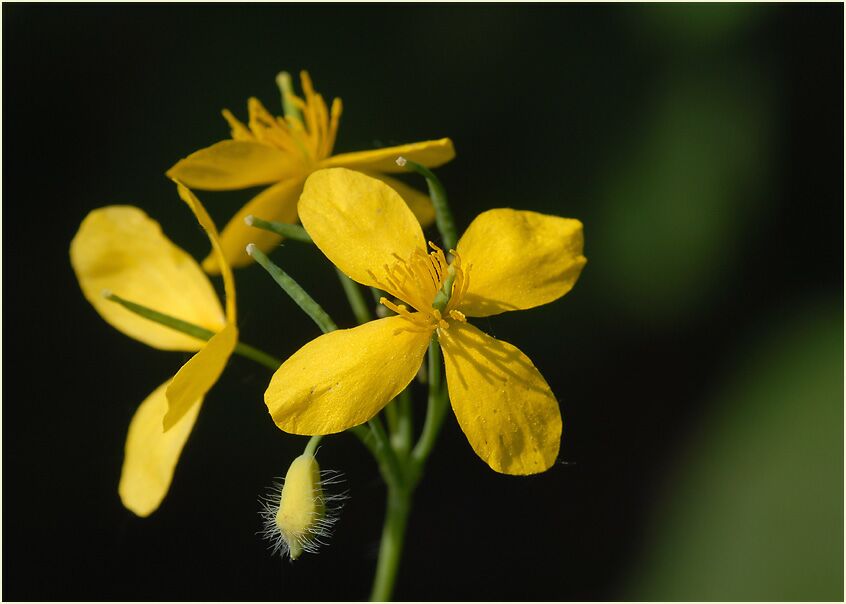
371, 227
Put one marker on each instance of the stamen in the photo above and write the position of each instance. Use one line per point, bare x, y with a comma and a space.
238, 130
458, 316
334, 120
402, 310
419, 329
439, 319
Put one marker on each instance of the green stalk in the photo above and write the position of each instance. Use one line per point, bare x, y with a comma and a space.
400, 494
260, 357
392, 471
405, 422
195, 331
443, 215
293, 289
311, 447
435, 411
392, 416
390, 549
355, 297
289, 231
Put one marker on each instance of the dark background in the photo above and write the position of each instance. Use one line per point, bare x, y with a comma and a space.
698, 361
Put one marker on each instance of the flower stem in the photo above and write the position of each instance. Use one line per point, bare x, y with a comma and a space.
393, 536
289, 231
400, 493
443, 215
293, 289
355, 297
195, 331
311, 447
259, 356
405, 422
390, 466
436, 408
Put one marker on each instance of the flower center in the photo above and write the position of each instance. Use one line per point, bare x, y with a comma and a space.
307, 131
430, 284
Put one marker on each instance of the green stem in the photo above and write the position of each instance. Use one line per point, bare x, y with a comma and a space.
443, 215
436, 408
365, 436
355, 297
390, 465
195, 331
259, 356
405, 427
289, 231
390, 550
311, 447
392, 416
293, 289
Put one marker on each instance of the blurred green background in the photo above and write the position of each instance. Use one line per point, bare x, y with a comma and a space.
698, 361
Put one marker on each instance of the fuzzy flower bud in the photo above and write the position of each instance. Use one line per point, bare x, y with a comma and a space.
296, 515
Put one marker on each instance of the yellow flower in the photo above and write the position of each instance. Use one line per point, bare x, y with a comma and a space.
282, 152
506, 260
121, 250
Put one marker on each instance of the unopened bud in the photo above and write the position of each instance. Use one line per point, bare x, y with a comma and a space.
297, 516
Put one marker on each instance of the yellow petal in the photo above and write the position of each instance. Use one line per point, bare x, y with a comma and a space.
234, 164
519, 260
345, 377
151, 454
277, 203
217, 250
360, 223
501, 401
429, 153
417, 201
199, 374
121, 249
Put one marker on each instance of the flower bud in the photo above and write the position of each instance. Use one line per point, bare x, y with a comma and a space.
296, 516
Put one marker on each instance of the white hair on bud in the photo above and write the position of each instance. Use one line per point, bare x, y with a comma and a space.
249, 220
319, 532
401, 161
250, 248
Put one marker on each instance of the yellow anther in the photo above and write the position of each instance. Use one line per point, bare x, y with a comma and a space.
458, 316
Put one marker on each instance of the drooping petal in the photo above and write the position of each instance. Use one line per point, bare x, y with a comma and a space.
276, 203
417, 201
121, 249
359, 223
217, 249
151, 454
429, 153
199, 374
519, 260
234, 164
501, 401
345, 377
